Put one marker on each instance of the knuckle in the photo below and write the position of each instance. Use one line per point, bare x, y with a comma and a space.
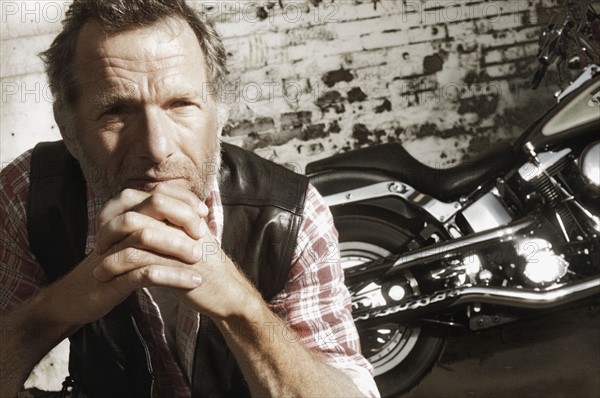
148, 274
146, 236
127, 194
194, 201
191, 199
158, 188
157, 200
101, 219
106, 268
130, 220
130, 254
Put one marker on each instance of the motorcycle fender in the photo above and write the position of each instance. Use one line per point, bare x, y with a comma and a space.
331, 182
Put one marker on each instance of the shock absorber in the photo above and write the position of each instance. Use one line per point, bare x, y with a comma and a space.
542, 174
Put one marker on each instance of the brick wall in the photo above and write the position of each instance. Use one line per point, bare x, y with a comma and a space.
310, 78
446, 78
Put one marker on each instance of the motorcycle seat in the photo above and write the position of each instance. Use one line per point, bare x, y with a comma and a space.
444, 184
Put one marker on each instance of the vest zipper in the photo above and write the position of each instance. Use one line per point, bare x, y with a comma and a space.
147, 351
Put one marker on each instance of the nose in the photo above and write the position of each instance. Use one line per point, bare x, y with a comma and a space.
157, 139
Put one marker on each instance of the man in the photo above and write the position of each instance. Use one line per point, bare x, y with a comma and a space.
151, 299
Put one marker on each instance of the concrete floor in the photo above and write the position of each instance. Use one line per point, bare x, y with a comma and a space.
556, 356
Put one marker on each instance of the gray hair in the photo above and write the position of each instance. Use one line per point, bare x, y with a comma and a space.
119, 15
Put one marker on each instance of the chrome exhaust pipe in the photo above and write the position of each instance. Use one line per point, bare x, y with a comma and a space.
518, 298
397, 263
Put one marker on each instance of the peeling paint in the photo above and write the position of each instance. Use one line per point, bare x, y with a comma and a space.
315, 131
483, 106
426, 129
356, 95
262, 13
245, 126
378, 135
473, 77
331, 100
361, 134
335, 76
432, 64
386, 106
295, 119
334, 127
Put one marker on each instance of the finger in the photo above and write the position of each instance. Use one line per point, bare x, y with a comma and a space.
123, 202
158, 275
123, 225
184, 195
129, 259
141, 231
148, 247
165, 208
129, 198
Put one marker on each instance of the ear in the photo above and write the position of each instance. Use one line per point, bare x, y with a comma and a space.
66, 131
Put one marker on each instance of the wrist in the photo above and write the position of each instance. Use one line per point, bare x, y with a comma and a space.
44, 311
247, 320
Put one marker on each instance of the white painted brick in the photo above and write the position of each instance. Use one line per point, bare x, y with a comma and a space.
509, 37
323, 49
347, 11
384, 40
426, 34
502, 22
26, 115
501, 70
314, 67
235, 30
30, 18
19, 56
511, 53
256, 50
376, 57
350, 29
462, 29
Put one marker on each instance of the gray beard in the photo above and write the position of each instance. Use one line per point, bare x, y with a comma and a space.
105, 187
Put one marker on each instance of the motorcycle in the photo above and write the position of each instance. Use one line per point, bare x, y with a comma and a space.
484, 243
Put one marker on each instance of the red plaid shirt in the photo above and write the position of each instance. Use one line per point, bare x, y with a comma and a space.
314, 303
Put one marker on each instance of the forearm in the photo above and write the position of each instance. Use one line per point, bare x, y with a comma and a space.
27, 334
275, 363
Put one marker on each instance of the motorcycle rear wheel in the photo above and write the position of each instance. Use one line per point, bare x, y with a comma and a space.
401, 354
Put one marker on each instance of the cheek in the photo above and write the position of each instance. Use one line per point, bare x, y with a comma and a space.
201, 150
99, 150
202, 131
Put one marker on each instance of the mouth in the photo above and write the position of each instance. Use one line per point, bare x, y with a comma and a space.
149, 183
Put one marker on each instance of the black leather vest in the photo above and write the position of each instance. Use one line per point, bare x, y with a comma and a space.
262, 204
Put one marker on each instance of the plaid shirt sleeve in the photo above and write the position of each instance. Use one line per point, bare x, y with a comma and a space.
20, 273
315, 302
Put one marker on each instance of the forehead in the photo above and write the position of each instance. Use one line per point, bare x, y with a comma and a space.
169, 43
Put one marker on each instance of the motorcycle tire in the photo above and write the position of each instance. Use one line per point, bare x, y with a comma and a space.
401, 354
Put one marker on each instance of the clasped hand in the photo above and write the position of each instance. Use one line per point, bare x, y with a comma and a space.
157, 238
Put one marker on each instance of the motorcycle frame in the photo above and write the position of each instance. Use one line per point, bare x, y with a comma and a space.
379, 191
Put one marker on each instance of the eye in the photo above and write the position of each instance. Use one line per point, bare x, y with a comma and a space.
181, 104
115, 110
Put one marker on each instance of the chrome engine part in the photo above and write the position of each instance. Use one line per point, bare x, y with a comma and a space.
541, 265
487, 212
589, 165
544, 163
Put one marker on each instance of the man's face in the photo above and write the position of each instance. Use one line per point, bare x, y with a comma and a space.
143, 117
